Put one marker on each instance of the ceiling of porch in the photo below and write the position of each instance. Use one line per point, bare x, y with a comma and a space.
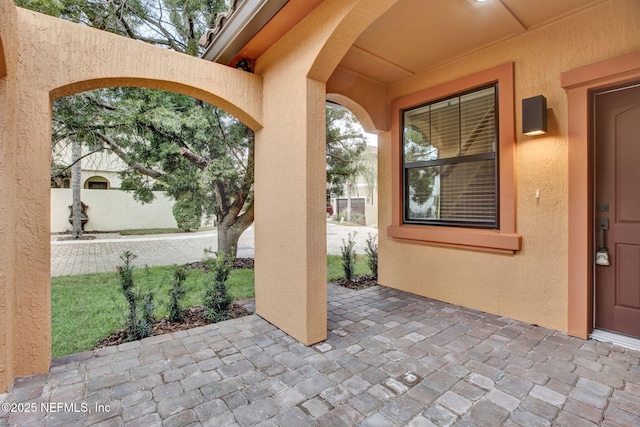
417, 35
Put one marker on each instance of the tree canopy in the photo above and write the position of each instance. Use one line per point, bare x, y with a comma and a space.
174, 24
345, 148
200, 155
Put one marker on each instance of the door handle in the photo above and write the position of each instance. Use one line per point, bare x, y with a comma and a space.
603, 224
602, 255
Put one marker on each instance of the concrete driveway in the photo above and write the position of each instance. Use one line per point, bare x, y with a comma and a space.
102, 254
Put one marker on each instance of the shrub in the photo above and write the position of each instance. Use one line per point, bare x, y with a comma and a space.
145, 324
176, 295
125, 275
216, 298
187, 214
372, 253
357, 218
136, 328
348, 256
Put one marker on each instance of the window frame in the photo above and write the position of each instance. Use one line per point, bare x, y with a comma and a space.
503, 239
492, 155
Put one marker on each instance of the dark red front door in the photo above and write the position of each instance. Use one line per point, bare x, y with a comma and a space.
617, 182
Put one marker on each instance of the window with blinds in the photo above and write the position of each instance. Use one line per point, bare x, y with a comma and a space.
450, 161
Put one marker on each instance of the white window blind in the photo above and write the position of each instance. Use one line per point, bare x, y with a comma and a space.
450, 157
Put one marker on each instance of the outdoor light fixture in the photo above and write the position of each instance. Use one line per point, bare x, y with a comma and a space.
243, 65
478, 3
534, 115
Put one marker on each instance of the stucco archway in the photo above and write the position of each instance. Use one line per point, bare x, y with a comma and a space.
58, 58
363, 116
63, 58
355, 17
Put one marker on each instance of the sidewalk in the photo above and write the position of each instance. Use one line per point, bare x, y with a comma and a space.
102, 254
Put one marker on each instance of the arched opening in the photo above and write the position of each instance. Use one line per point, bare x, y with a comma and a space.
296, 71
153, 140
79, 58
358, 194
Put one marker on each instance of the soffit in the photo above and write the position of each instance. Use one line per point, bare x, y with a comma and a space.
253, 27
290, 15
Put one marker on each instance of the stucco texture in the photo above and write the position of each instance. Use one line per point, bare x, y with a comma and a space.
530, 285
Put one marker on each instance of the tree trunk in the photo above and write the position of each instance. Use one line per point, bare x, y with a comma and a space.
228, 236
230, 228
228, 240
348, 201
76, 207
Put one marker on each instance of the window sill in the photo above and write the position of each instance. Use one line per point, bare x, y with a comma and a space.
464, 238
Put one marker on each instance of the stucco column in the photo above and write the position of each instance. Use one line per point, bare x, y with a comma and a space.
32, 335
7, 219
7, 184
290, 224
290, 171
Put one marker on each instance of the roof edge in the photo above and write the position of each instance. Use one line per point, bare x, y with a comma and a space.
246, 21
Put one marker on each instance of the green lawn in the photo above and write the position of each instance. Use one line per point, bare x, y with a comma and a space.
334, 267
88, 308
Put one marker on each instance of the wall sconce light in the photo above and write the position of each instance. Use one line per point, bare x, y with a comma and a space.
243, 65
534, 115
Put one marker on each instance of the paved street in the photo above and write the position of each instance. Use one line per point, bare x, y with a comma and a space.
390, 359
103, 254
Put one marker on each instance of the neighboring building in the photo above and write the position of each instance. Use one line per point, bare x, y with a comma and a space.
509, 225
99, 168
363, 194
108, 208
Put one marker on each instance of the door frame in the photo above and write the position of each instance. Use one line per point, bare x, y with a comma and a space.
606, 170
580, 84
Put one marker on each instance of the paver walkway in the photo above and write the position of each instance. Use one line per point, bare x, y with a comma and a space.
103, 254
390, 359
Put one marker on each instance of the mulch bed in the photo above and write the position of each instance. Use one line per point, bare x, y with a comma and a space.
358, 283
194, 317
238, 263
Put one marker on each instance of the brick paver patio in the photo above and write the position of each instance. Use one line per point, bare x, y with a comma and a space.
390, 359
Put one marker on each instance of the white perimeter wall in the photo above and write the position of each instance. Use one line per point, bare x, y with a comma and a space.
111, 210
